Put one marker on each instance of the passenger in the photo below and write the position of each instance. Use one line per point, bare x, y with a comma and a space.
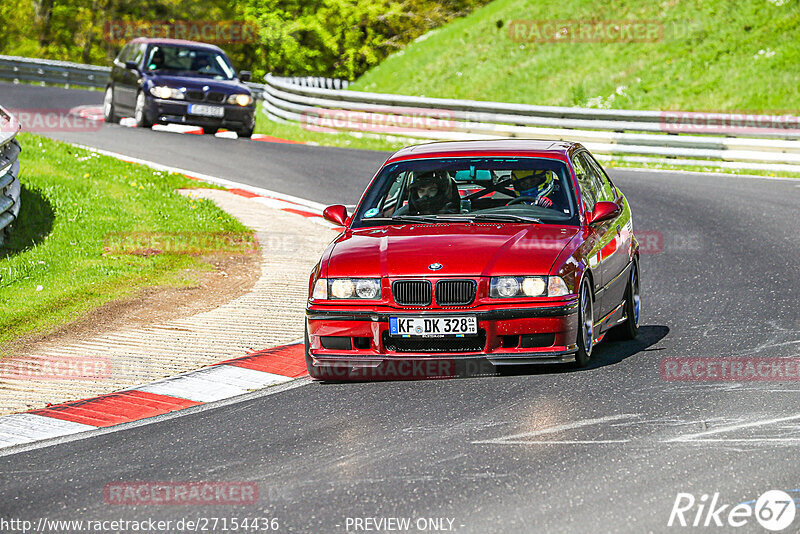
534, 184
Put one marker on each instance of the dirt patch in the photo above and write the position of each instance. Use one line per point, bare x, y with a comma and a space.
232, 277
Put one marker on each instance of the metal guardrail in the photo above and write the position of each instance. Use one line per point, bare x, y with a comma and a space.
320, 102
9, 172
52, 72
46, 71
607, 132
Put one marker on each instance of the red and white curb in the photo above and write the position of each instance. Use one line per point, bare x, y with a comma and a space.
221, 381
225, 380
95, 114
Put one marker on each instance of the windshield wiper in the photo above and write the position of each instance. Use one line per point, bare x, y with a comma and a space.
425, 218
504, 217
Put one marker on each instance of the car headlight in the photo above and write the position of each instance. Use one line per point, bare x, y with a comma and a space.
347, 288
527, 286
164, 92
241, 100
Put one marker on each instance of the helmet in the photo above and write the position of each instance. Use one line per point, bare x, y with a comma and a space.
532, 183
429, 192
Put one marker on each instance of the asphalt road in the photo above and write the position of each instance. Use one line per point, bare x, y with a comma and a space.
331, 175
605, 449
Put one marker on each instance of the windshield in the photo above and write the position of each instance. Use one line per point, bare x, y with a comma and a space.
534, 190
189, 61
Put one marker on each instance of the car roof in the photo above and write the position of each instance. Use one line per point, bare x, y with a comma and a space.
176, 42
519, 147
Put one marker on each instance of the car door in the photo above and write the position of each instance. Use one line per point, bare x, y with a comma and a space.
117, 72
588, 197
602, 235
617, 257
128, 84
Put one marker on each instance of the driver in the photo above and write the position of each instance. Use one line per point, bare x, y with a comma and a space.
156, 60
534, 184
430, 193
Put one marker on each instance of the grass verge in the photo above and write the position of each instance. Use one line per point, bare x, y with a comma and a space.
70, 251
729, 55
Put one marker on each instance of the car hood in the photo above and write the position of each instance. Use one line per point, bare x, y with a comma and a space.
199, 83
461, 249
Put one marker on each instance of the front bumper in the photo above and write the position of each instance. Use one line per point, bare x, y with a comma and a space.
177, 112
542, 334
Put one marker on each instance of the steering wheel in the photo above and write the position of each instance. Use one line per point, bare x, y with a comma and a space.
522, 199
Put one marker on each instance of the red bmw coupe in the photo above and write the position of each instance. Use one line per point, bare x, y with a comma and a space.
512, 251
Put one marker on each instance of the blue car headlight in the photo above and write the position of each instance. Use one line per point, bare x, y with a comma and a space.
164, 92
240, 100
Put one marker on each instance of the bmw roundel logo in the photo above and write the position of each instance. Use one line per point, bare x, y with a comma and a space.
435, 266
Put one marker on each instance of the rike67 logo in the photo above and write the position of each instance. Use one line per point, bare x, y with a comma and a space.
774, 510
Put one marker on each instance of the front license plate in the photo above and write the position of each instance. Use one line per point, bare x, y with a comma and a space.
206, 111
433, 326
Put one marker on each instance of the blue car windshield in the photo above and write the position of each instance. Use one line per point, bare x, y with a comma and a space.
534, 190
189, 62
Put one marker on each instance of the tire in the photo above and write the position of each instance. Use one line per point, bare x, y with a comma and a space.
109, 113
630, 328
247, 131
585, 327
139, 113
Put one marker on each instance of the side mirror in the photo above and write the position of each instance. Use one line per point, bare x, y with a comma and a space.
336, 214
604, 211
131, 65
245, 75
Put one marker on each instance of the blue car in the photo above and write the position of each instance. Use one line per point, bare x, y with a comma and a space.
169, 81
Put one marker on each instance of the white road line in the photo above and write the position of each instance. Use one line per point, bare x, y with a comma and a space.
515, 438
557, 442
21, 428
213, 383
230, 184
739, 440
740, 426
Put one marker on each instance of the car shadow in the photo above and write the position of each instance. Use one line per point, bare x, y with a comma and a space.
34, 224
605, 353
